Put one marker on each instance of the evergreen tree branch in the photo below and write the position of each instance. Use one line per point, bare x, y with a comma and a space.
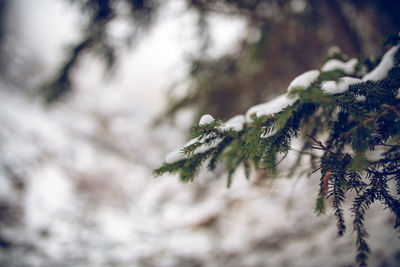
347, 127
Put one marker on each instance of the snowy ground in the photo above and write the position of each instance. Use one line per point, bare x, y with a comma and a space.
76, 189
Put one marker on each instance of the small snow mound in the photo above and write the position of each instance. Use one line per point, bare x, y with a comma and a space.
334, 64
333, 50
382, 70
269, 134
235, 123
361, 98
238, 118
174, 156
206, 119
275, 105
304, 80
332, 87
205, 147
178, 154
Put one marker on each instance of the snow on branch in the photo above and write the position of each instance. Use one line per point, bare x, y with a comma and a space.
339, 120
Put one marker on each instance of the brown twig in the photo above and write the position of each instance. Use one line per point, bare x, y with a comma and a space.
325, 181
321, 146
314, 171
394, 109
364, 122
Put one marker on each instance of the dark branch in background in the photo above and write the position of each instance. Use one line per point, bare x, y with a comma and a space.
141, 14
62, 83
252, 72
3, 11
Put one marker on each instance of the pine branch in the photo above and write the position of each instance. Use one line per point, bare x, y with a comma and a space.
360, 205
343, 127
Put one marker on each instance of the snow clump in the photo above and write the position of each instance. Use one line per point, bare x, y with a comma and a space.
269, 133
281, 102
334, 64
377, 74
206, 119
304, 80
382, 70
341, 86
175, 156
178, 154
274, 106
236, 124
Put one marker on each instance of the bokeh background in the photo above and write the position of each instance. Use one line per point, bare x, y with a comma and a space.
94, 94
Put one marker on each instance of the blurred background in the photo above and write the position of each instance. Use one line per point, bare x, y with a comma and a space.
94, 94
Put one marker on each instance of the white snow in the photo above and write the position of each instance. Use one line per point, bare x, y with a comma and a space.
40, 206
360, 98
206, 119
275, 105
178, 155
333, 87
382, 70
298, 6
398, 93
333, 64
236, 119
333, 50
281, 102
175, 156
207, 146
304, 80
270, 133
235, 123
